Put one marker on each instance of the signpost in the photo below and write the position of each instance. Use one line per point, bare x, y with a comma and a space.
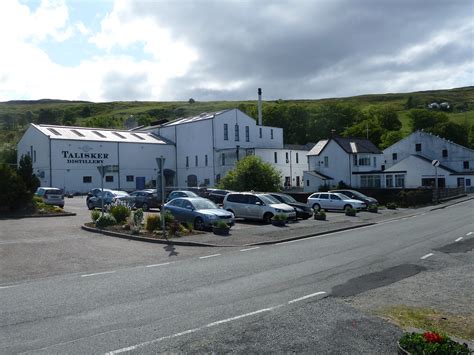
161, 167
436, 163
103, 169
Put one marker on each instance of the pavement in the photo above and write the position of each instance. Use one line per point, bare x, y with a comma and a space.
250, 233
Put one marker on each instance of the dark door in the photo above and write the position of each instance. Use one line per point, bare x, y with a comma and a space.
298, 181
140, 182
192, 180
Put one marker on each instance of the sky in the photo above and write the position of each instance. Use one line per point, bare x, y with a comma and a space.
154, 50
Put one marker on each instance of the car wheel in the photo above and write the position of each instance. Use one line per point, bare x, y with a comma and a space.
198, 224
145, 206
316, 207
347, 207
267, 217
90, 205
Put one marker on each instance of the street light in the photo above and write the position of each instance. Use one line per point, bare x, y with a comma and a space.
161, 164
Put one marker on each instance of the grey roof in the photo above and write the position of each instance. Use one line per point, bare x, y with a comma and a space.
200, 117
348, 144
431, 160
306, 146
318, 148
97, 134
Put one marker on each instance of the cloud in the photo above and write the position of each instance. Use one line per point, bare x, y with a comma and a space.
224, 50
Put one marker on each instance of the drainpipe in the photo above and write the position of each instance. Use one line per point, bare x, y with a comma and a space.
260, 107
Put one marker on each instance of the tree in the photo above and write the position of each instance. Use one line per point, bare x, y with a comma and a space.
360, 130
386, 116
452, 131
13, 192
191, 101
252, 173
25, 172
389, 138
425, 119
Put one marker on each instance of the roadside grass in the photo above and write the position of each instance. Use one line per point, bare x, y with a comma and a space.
457, 325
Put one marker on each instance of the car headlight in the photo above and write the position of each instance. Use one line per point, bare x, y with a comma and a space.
278, 210
212, 216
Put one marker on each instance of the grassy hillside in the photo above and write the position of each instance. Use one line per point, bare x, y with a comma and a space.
16, 115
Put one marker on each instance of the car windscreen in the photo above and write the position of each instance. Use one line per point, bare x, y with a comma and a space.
359, 194
53, 192
344, 197
287, 199
120, 193
191, 194
268, 199
204, 204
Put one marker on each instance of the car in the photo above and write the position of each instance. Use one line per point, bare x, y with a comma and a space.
302, 210
51, 196
333, 201
109, 197
356, 195
217, 196
94, 192
199, 211
180, 193
145, 199
258, 206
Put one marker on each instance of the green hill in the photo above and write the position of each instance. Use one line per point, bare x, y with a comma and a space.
16, 115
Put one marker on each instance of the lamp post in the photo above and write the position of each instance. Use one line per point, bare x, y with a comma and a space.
436, 163
161, 163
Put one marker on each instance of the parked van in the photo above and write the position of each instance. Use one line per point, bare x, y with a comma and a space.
257, 206
51, 196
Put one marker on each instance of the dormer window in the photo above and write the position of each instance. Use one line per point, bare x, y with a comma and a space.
418, 147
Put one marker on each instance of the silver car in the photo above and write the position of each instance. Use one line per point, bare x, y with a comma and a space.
333, 201
257, 206
51, 196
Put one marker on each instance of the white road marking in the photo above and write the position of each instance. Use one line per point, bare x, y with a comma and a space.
2, 287
194, 330
98, 273
209, 256
162, 264
469, 233
426, 256
457, 240
249, 249
306, 297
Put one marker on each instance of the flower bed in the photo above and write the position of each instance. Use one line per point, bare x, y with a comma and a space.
430, 343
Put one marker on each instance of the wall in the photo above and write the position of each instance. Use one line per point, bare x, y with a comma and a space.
339, 167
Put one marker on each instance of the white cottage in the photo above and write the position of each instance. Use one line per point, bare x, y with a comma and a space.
414, 155
68, 157
354, 161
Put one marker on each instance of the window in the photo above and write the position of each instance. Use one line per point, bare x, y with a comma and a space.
375, 162
355, 159
77, 133
297, 158
223, 158
399, 181
99, 134
275, 156
119, 135
205, 160
34, 156
287, 158
418, 147
324, 196
218, 178
207, 182
187, 162
226, 132
370, 181
109, 178
445, 153
326, 162
394, 156
364, 161
53, 131
260, 132
139, 137
247, 133
237, 133
196, 160
87, 179
130, 178
307, 182
271, 133
465, 164
389, 181
468, 182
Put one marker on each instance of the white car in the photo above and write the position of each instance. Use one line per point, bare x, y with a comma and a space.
51, 196
257, 206
333, 201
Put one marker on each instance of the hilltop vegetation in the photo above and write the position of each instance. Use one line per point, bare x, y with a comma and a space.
386, 117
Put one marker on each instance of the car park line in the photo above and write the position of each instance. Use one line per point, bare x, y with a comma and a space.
98, 273
209, 256
426, 256
249, 249
306, 297
459, 239
467, 234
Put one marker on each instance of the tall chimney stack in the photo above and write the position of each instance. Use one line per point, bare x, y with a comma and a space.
260, 107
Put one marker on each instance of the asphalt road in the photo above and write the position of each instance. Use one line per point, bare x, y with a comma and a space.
283, 297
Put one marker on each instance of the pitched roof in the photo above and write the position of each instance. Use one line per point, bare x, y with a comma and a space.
431, 160
348, 144
319, 175
306, 146
201, 117
97, 134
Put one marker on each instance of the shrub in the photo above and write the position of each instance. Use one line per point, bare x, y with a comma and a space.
320, 215
175, 227
351, 212
120, 212
220, 224
137, 218
169, 218
373, 208
152, 222
95, 214
392, 206
190, 227
105, 221
280, 217
431, 343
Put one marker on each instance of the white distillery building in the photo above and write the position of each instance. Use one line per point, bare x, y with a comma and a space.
414, 154
68, 157
210, 144
355, 161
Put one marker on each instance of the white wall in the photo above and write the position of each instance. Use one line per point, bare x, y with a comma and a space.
36, 144
339, 163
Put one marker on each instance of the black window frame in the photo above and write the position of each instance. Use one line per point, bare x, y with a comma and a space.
87, 179
130, 178
109, 178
